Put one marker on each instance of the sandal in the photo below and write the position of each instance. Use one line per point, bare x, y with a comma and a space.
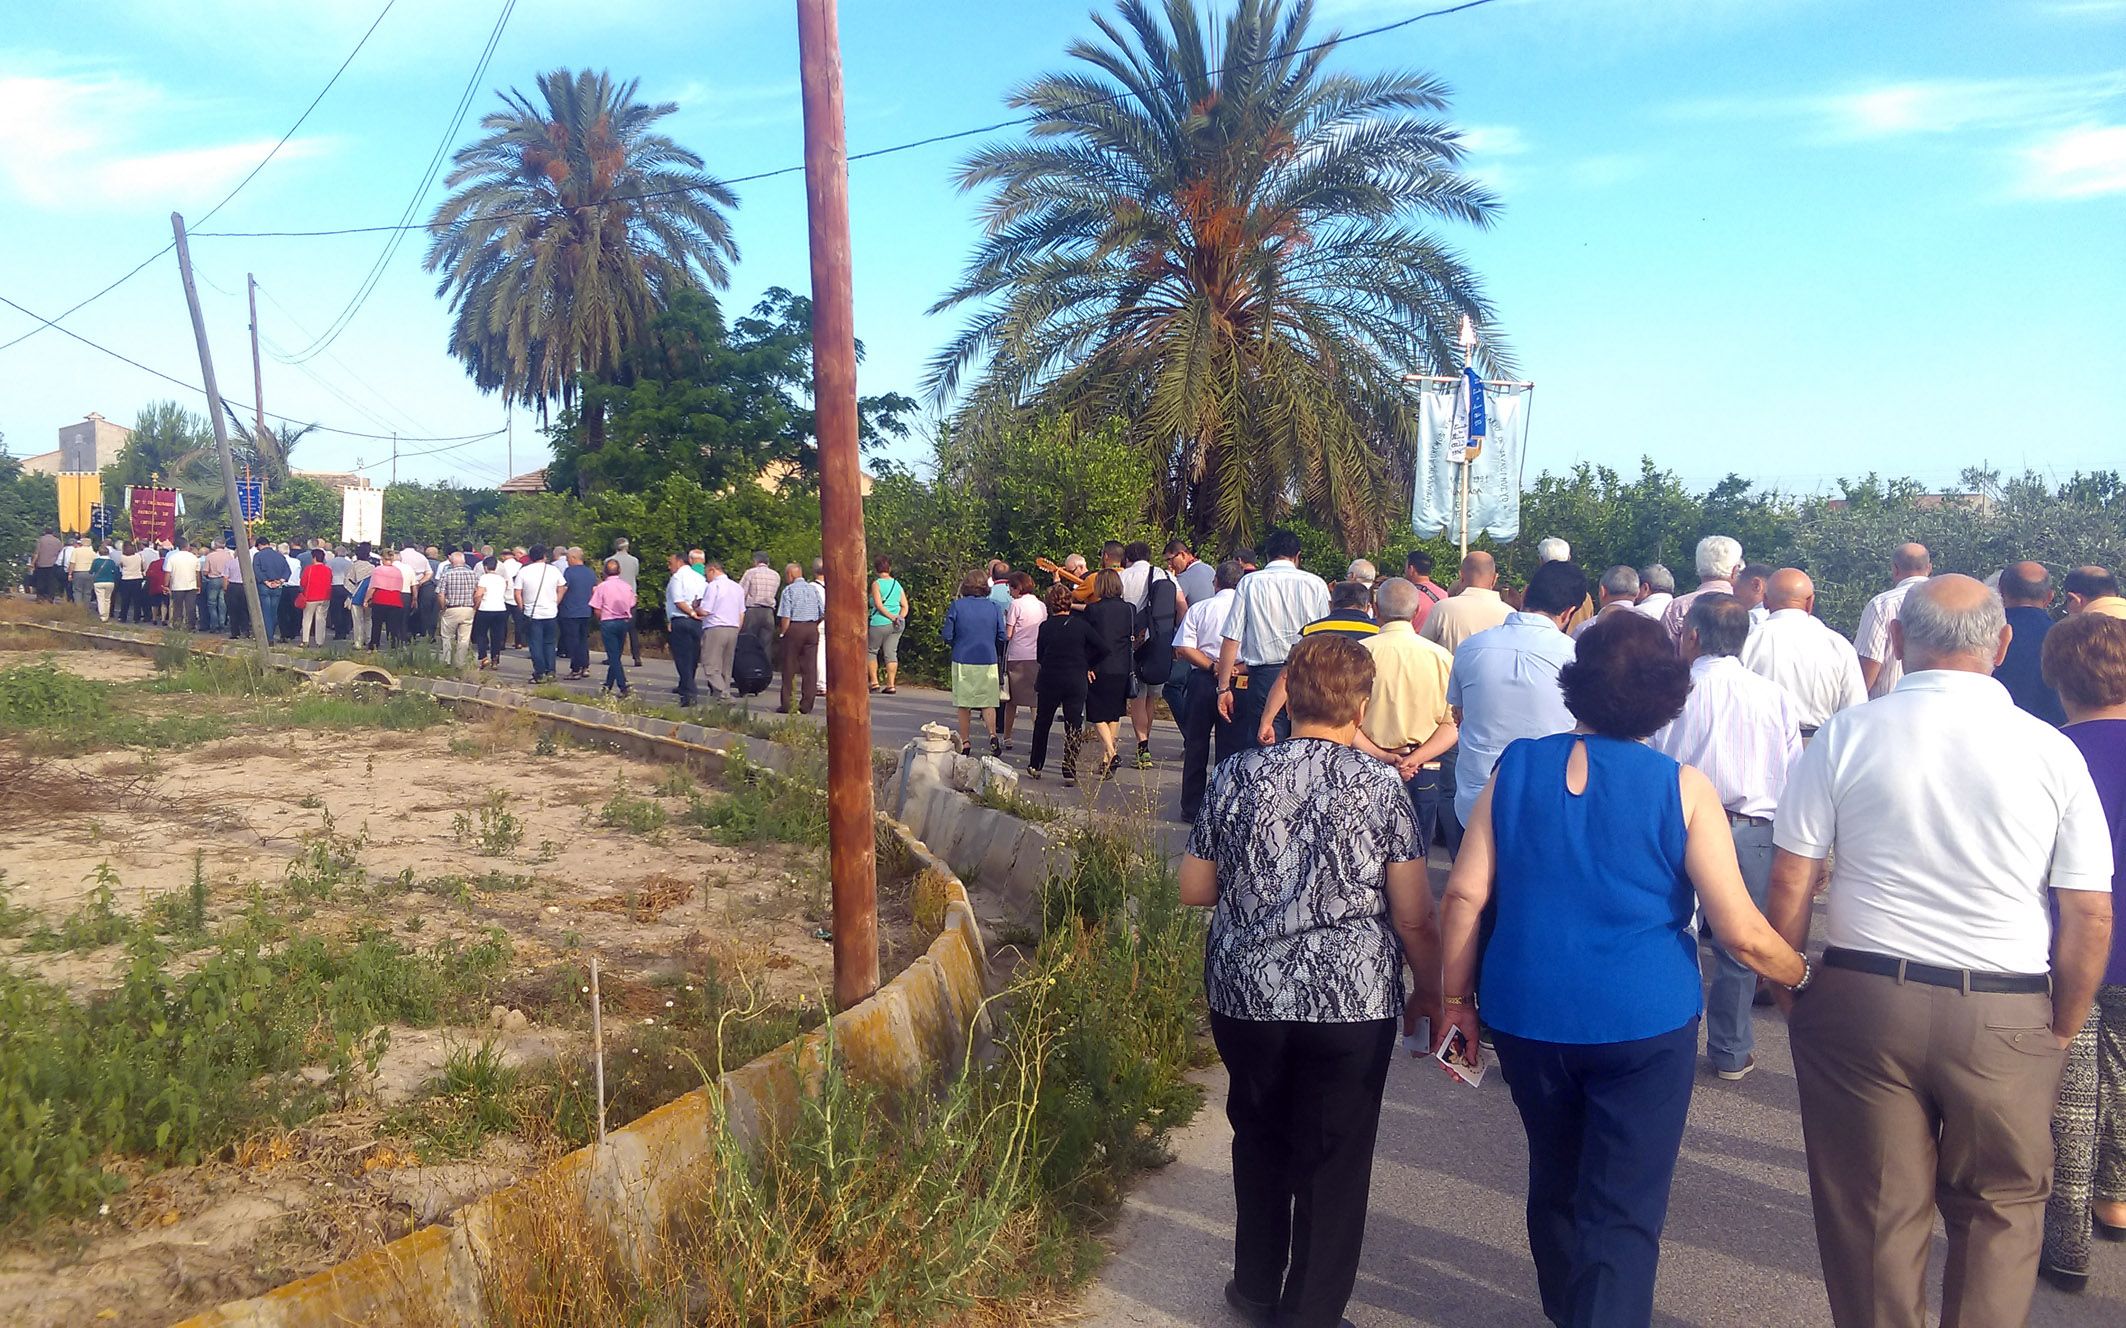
889, 690
966, 749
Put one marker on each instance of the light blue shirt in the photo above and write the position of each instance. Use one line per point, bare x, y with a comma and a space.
803, 601
1270, 605
1505, 681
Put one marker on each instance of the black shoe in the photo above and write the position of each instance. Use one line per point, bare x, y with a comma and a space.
2105, 1231
2071, 1283
1259, 1312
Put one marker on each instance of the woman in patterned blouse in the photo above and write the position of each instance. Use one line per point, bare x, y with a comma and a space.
1308, 857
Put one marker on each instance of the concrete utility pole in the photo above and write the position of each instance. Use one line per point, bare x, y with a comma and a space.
851, 829
221, 440
258, 374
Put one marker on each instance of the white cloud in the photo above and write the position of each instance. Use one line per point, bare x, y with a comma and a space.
1926, 106
2081, 163
1493, 141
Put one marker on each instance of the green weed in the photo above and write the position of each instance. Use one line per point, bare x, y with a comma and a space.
1014, 803
491, 829
34, 696
632, 812
96, 923
470, 1101
328, 861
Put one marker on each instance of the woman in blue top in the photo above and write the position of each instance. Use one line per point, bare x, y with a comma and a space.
974, 628
1596, 848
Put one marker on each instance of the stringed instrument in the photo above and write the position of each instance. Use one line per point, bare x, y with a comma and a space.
1083, 581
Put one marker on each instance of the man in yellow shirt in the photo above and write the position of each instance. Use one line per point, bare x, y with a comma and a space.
1407, 721
2093, 590
1475, 607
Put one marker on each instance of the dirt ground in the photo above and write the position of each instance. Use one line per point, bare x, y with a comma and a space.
652, 904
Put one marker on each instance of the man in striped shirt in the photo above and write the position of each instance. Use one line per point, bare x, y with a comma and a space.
1270, 609
799, 610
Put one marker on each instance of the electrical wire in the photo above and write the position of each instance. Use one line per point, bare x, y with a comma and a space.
143, 265
910, 146
436, 159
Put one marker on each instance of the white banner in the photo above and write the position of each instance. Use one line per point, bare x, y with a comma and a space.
362, 516
1495, 476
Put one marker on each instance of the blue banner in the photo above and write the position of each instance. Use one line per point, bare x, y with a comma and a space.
1473, 393
251, 498
99, 522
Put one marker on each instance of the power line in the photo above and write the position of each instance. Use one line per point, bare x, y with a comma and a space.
142, 266
452, 125
910, 146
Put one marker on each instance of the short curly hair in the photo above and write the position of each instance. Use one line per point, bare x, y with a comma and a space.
2084, 660
1625, 680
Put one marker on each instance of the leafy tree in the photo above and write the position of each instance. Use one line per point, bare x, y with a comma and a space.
1221, 243
424, 514
718, 405
29, 504
572, 224
172, 446
530, 518
301, 509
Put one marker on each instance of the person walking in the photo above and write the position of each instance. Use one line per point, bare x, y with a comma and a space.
1928, 1057
1114, 621
341, 562
2085, 664
1816, 666
1619, 593
132, 583
723, 612
103, 575
798, 612
1741, 732
1505, 681
315, 588
574, 616
1590, 972
613, 601
78, 561
1270, 607
1197, 643
974, 628
1069, 653
490, 616
511, 565
359, 615
158, 586
1306, 854
458, 591
1880, 668
271, 568
889, 618
682, 619
1657, 590
761, 591
1718, 559
539, 587
1022, 650
2026, 594
630, 572
215, 571
2092, 589
44, 566
1408, 722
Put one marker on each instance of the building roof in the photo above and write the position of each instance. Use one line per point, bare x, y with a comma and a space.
44, 463
531, 481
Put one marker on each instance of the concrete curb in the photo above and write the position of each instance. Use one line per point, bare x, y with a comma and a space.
913, 1029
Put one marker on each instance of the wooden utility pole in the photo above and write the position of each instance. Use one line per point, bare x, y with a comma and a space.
851, 829
221, 440
258, 374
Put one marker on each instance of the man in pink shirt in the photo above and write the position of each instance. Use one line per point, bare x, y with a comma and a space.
1417, 570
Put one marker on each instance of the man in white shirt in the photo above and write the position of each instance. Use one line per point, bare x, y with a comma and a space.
1879, 666
180, 567
723, 609
539, 599
1197, 643
1269, 608
1657, 590
1475, 607
510, 565
1928, 1049
1794, 648
1741, 732
682, 620
1750, 585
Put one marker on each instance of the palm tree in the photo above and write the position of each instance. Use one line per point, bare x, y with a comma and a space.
1217, 245
570, 226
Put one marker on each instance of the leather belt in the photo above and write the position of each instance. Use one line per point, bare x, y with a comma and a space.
1962, 979
1808, 730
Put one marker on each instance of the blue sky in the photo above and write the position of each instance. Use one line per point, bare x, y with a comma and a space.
1791, 238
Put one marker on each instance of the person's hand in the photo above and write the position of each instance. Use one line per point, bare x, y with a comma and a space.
1421, 1005
1225, 706
1458, 1016
1408, 767
2065, 1040
1091, 676
1783, 999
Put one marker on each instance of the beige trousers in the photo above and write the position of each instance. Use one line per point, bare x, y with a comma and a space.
1915, 1098
457, 637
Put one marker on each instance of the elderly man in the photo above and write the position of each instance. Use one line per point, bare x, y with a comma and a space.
1551, 549
2093, 590
798, 612
458, 592
1505, 681
1718, 559
1363, 572
682, 620
1407, 722
759, 586
1350, 614
1741, 732
1750, 584
1657, 590
723, 614
1793, 648
44, 565
1197, 644
1619, 589
1911, 565
2026, 594
1476, 606
1270, 608
1928, 1050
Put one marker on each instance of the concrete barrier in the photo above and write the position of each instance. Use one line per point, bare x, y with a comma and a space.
914, 1029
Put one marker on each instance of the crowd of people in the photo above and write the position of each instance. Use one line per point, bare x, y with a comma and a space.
1647, 797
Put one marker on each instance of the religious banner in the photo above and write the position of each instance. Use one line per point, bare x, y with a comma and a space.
154, 513
99, 522
251, 496
78, 492
1446, 410
362, 516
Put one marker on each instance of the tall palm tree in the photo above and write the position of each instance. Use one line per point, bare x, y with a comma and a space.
570, 226
1218, 244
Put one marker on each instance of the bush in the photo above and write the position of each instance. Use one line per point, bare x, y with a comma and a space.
34, 696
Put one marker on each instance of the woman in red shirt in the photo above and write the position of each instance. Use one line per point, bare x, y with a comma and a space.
316, 599
158, 589
387, 605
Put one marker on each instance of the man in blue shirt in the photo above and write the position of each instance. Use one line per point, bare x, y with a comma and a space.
272, 571
2026, 592
1505, 680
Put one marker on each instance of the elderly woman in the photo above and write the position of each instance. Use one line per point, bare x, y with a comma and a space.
1597, 850
2084, 660
974, 628
1114, 622
1307, 855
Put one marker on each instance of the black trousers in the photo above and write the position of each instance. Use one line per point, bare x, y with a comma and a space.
489, 626
1304, 1106
685, 643
1248, 703
1046, 704
388, 622
1202, 729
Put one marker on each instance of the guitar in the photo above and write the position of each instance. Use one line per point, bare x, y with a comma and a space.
1083, 581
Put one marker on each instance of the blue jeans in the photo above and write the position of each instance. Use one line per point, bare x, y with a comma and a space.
541, 635
212, 616
1729, 1039
1432, 798
269, 608
613, 631
1604, 1123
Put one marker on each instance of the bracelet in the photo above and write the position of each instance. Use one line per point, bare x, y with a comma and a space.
1457, 1000
1808, 975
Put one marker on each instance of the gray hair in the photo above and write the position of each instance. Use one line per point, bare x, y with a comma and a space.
1933, 630
1718, 557
1362, 569
1395, 600
1720, 623
1620, 582
1657, 579
1551, 549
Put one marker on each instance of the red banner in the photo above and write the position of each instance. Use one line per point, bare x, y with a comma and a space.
154, 513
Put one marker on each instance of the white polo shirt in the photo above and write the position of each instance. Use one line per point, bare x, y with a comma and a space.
1951, 811
1816, 665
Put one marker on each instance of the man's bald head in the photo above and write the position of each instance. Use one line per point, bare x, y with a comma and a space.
1789, 588
1952, 622
1911, 560
2026, 585
1480, 569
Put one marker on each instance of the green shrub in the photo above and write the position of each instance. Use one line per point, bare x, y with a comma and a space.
96, 923
491, 829
46, 696
631, 812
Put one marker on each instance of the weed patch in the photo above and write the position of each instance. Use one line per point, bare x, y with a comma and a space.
632, 812
490, 829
